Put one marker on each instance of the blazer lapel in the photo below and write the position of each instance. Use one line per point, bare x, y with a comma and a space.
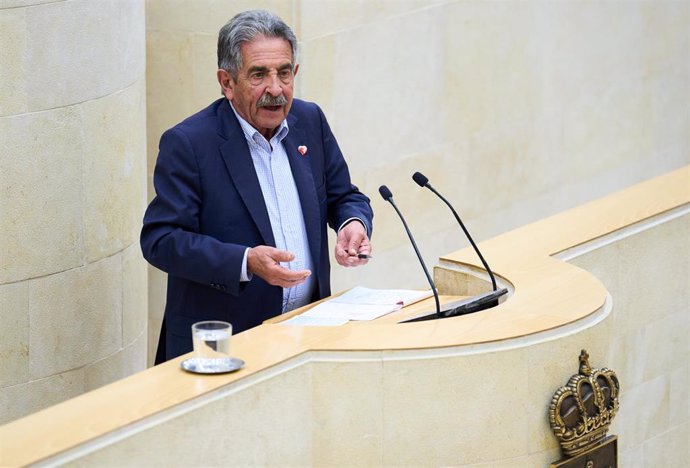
238, 161
304, 180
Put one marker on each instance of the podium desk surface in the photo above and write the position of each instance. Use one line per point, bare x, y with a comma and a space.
546, 293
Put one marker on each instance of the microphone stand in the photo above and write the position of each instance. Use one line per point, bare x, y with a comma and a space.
464, 229
388, 196
472, 304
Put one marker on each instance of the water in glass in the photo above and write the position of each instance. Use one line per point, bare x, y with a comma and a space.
211, 346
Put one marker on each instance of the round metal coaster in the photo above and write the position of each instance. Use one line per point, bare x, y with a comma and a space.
212, 366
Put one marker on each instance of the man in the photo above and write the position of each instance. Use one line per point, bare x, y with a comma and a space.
245, 190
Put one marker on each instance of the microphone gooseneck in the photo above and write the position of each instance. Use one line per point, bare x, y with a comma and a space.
388, 196
423, 181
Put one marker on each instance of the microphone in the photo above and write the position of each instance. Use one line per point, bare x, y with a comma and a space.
422, 181
388, 196
473, 304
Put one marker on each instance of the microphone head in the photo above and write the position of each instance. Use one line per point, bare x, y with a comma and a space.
385, 193
420, 179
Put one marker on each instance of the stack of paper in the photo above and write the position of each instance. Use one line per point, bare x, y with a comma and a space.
358, 304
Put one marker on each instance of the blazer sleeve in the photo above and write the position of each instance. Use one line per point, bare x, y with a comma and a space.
171, 237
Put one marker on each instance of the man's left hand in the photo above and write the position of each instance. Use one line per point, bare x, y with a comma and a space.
352, 240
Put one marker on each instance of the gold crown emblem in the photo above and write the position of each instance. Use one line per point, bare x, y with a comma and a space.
581, 411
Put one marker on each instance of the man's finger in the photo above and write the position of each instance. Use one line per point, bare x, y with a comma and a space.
281, 256
287, 281
355, 242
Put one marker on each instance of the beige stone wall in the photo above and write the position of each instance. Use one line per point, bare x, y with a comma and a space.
73, 292
648, 276
514, 110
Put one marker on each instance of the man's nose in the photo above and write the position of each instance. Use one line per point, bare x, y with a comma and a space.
273, 87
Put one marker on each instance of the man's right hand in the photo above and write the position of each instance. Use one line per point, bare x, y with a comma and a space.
264, 261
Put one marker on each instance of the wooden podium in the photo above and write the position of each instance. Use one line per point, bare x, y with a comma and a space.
610, 276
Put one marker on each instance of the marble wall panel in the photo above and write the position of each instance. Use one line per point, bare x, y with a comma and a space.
534, 459
670, 449
375, 120
646, 414
169, 69
12, 61
652, 314
627, 356
41, 203
593, 101
177, 61
114, 171
347, 407
26, 398
664, 38
319, 18
64, 68
646, 259
227, 439
204, 85
672, 331
154, 331
492, 375
492, 102
22, 3
134, 294
206, 16
527, 84
75, 317
14, 326
315, 80
680, 379
123, 363
632, 457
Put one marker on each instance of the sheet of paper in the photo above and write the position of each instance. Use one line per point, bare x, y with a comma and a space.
358, 303
361, 295
351, 311
307, 321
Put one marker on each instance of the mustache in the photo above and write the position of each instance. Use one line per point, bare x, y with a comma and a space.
267, 100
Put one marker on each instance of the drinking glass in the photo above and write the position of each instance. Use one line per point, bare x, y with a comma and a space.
212, 344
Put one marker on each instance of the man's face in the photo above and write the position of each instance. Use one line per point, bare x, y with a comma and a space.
262, 92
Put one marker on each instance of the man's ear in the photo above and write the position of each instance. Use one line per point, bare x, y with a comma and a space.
227, 84
294, 72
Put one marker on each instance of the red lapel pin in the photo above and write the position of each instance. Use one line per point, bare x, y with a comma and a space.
302, 149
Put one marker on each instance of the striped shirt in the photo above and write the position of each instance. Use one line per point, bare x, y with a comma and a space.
284, 209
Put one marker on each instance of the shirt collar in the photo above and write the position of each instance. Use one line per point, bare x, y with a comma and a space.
253, 135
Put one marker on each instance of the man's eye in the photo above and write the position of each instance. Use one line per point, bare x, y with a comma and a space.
257, 76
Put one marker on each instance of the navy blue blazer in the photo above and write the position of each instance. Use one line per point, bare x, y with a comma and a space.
209, 208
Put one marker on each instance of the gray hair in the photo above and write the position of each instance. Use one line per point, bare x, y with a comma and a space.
245, 27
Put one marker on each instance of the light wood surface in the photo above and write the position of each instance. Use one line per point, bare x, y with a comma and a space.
546, 294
